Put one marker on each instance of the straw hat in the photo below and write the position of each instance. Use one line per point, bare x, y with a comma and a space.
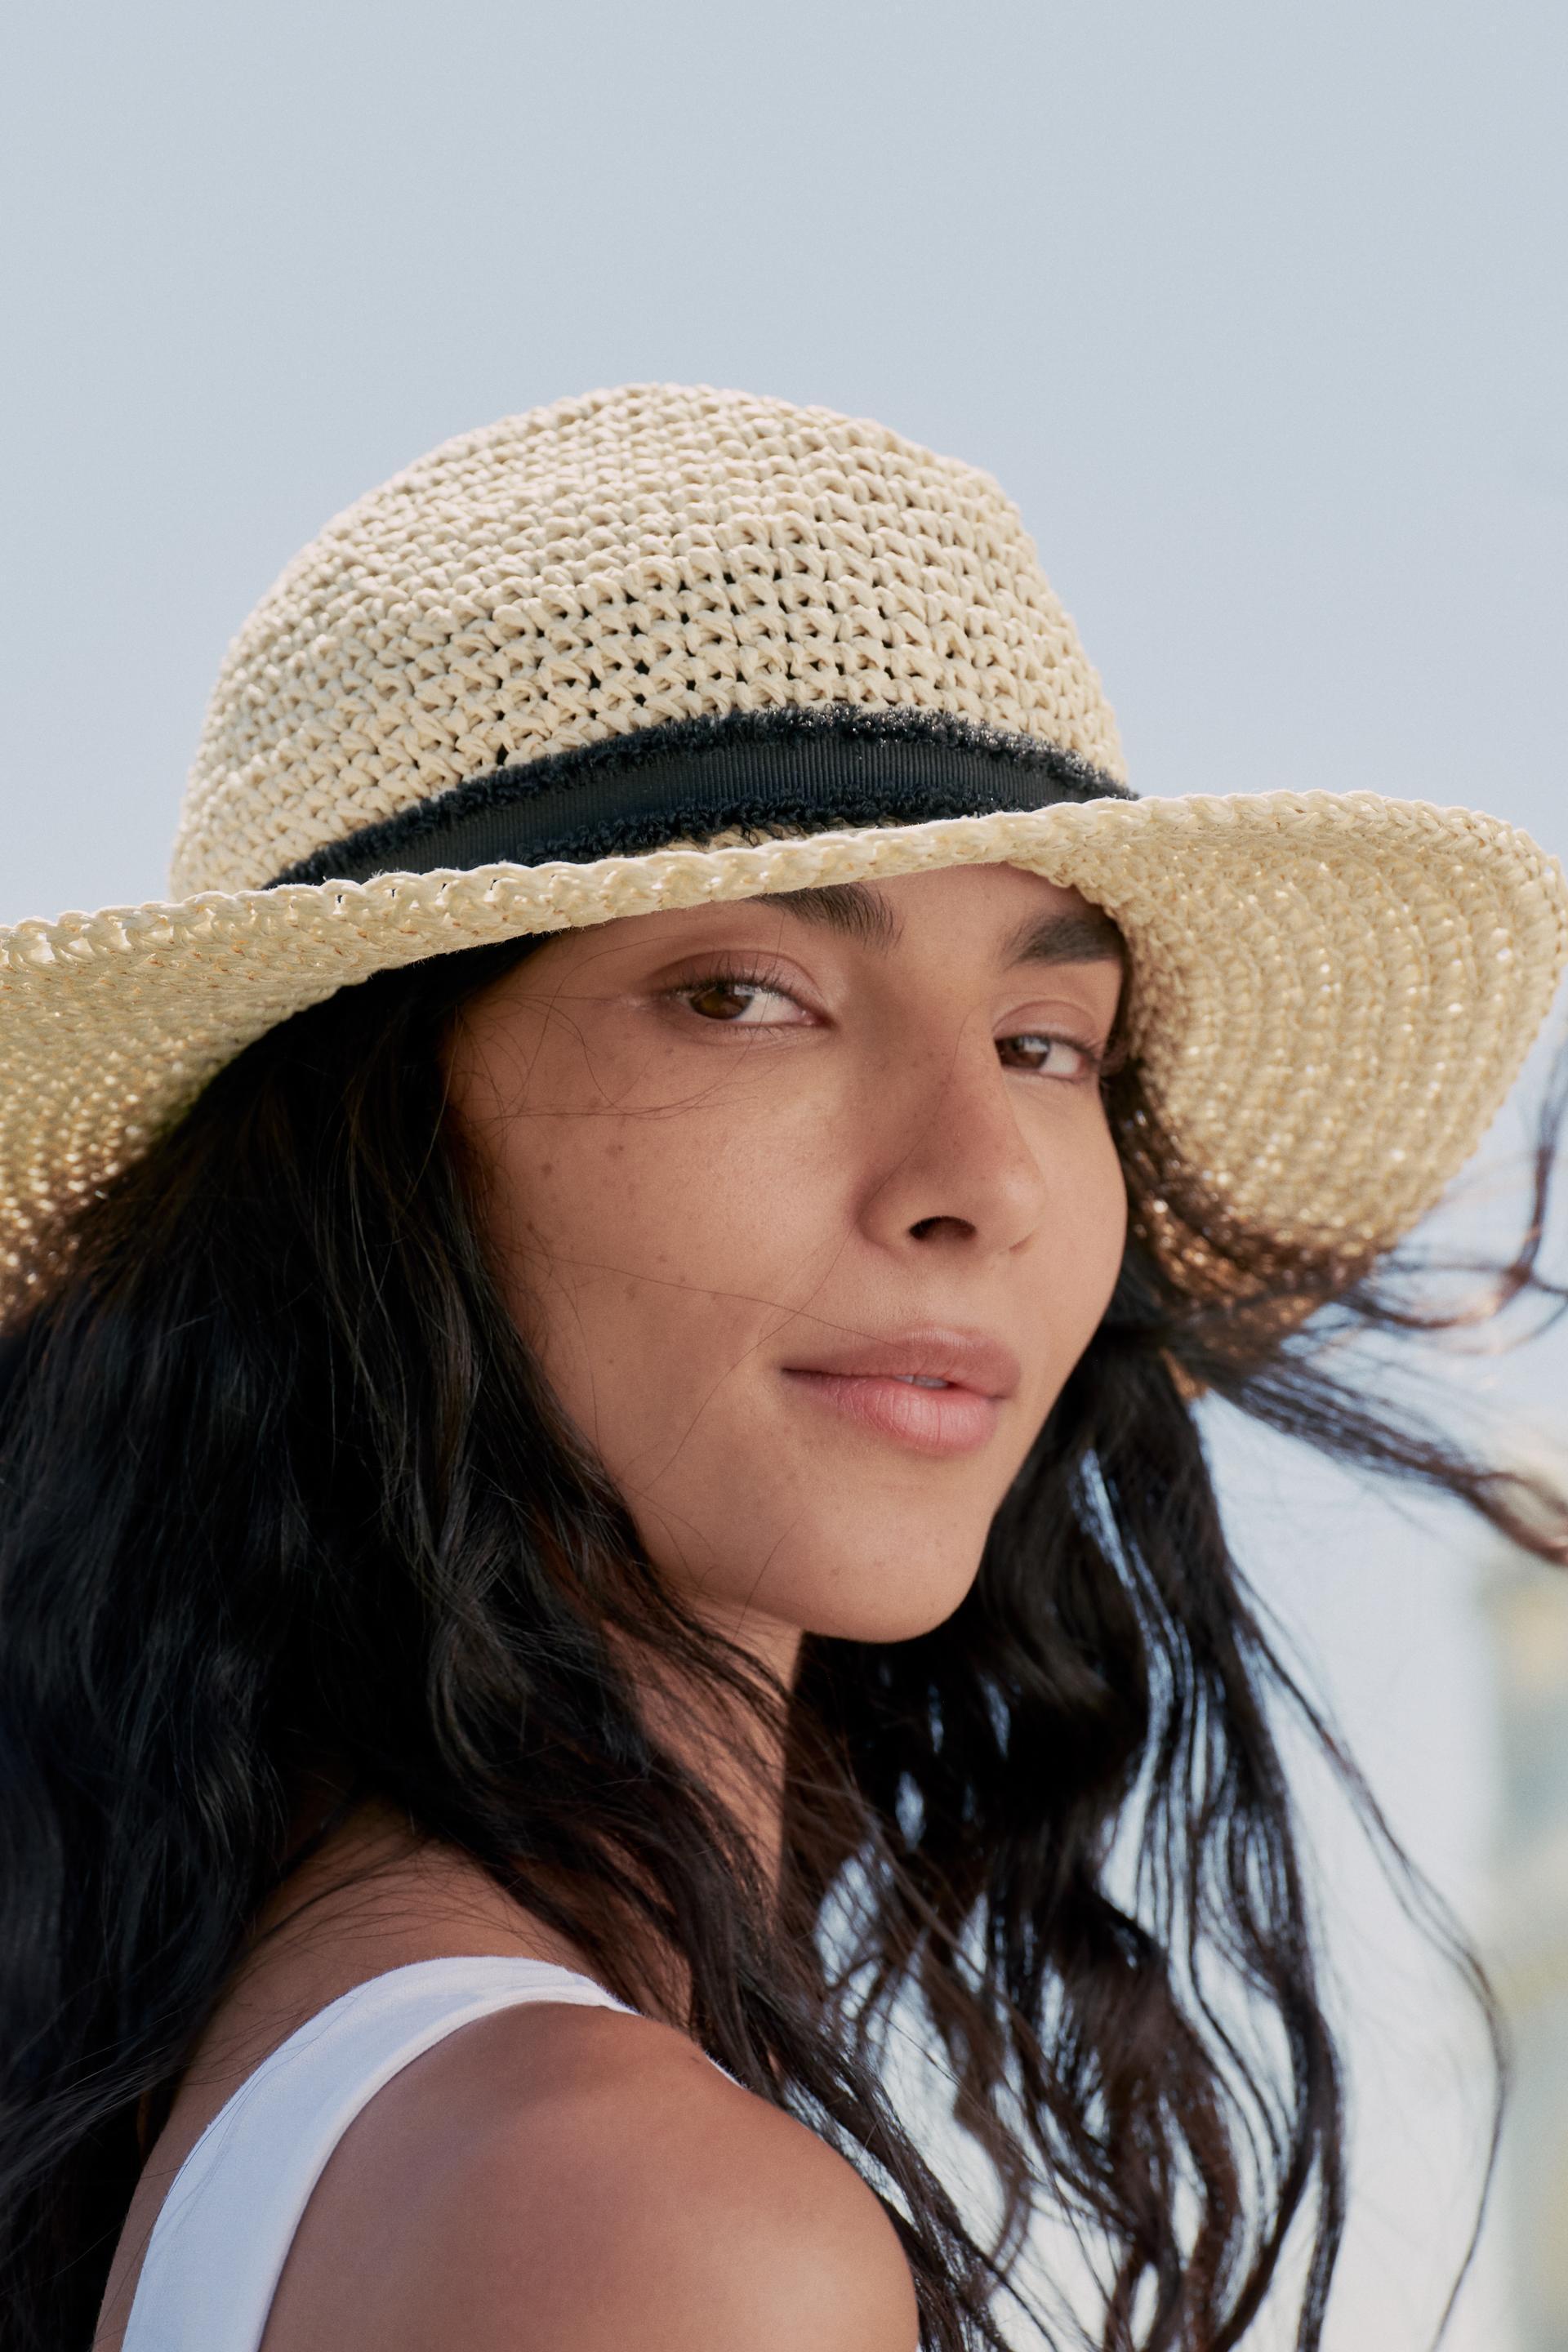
664, 646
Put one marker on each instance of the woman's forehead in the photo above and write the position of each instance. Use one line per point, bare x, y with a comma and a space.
1017, 916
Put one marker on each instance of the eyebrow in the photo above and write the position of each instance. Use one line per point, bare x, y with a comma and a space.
1084, 936
847, 907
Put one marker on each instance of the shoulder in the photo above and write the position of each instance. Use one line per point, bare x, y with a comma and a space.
577, 2180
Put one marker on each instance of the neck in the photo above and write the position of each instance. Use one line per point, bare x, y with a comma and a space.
733, 1749
376, 1893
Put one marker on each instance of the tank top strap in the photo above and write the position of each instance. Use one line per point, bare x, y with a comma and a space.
225, 2229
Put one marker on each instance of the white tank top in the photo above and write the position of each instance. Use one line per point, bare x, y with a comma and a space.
220, 2240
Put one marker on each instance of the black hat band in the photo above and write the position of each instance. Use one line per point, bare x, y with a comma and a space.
805, 770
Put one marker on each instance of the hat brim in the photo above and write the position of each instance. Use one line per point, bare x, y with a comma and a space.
1332, 993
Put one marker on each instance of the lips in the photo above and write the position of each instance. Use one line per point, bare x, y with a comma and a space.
937, 1392
954, 1358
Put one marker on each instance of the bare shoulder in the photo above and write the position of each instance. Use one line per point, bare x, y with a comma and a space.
560, 2180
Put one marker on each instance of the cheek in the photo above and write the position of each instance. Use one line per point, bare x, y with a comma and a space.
1096, 1238
646, 1253
1071, 1268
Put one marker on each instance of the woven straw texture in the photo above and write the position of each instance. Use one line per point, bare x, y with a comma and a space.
610, 563
1330, 994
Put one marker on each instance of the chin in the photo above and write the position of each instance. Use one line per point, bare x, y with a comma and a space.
873, 1596
844, 1574
882, 1624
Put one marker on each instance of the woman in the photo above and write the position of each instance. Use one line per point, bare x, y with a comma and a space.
602, 1513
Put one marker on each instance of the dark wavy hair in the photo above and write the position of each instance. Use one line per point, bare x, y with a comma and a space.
286, 1507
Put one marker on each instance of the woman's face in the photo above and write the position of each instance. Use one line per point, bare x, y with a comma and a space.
808, 1206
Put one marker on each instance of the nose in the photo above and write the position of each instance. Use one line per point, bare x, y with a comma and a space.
953, 1166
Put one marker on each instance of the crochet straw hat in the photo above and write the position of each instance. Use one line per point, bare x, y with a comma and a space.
662, 646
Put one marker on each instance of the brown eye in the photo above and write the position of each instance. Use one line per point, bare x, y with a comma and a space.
1047, 1057
722, 1000
739, 1003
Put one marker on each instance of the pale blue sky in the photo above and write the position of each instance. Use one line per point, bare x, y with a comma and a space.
1257, 311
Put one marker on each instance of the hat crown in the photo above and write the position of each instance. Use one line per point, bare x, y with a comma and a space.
648, 554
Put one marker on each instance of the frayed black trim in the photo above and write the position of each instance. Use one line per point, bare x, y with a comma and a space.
805, 770
630, 837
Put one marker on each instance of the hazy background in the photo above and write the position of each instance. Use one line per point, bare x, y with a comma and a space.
1257, 311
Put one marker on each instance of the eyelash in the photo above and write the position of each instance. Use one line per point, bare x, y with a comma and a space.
1097, 1059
